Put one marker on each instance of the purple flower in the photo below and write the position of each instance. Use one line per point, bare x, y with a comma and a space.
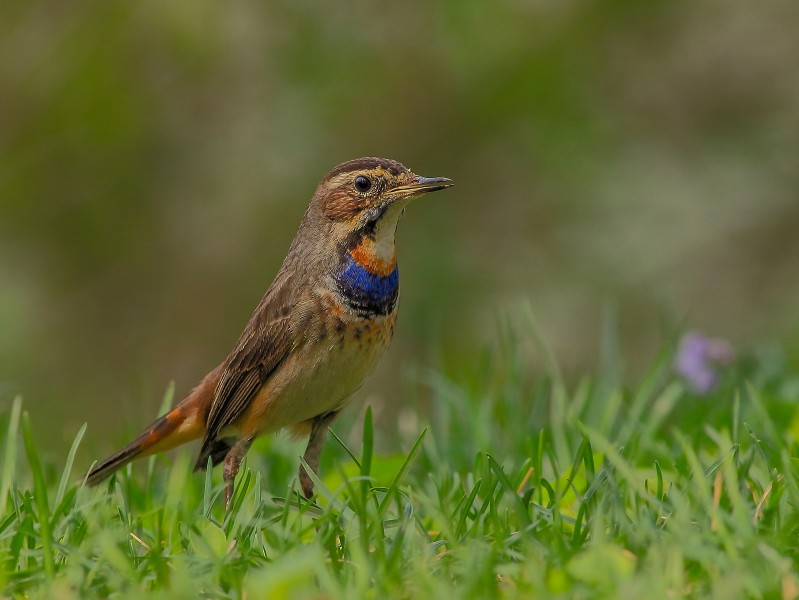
698, 358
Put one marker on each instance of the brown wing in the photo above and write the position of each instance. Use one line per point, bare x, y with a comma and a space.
264, 344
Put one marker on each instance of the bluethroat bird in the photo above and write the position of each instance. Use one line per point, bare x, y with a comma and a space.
316, 334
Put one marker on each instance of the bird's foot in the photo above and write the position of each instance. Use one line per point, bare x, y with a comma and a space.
319, 428
231, 467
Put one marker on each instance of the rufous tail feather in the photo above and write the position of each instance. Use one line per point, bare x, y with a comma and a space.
182, 424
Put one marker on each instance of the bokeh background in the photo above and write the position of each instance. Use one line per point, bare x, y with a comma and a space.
633, 158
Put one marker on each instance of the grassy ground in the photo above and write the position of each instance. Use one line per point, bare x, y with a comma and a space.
521, 487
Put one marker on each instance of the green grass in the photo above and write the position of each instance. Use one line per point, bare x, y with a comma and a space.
519, 486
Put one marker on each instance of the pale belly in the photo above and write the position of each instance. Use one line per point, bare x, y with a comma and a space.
319, 376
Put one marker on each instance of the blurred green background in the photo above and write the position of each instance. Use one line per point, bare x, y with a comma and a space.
156, 159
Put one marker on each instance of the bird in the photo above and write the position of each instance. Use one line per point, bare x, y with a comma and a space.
313, 339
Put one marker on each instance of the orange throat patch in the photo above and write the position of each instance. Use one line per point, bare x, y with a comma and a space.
364, 254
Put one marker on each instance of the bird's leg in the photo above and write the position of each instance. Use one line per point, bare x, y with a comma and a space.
319, 426
231, 466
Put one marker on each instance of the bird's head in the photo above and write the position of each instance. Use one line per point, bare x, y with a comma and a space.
368, 195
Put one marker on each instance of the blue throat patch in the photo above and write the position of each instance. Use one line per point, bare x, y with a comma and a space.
366, 292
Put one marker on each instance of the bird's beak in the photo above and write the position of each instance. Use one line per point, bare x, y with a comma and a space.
421, 185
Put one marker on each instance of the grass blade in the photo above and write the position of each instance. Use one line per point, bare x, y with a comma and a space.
368, 450
10, 457
62, 485
392, 489
516, 503
40, 496
346, 449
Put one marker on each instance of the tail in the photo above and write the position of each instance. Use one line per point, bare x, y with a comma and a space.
182, 424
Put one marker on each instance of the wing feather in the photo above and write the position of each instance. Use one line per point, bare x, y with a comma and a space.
262, 347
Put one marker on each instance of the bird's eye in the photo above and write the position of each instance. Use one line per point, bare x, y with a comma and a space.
362, 184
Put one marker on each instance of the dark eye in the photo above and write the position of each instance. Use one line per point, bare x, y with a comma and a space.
362, 184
